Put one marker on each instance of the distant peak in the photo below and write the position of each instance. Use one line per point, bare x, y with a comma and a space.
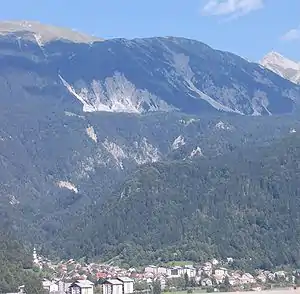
274, 53
45, 33
286, 68
278, 59
273, 56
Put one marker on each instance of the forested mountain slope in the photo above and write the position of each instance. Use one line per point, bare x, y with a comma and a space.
16, 267
243, 205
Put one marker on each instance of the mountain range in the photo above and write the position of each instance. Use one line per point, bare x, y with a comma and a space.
86, 120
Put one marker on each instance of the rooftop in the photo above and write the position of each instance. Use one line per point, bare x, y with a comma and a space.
125, 279
113, 282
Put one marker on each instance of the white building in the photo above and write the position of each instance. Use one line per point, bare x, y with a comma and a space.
190, 271
280, 275
81, 287
247, 279
127, 285
161, 271
35, 257
215, 262
156, 270
50, 286
233, 281
178, 271
112, 286
221, 271
206, 282
207, 268
55, 286
175, 272
261, 278
151, 269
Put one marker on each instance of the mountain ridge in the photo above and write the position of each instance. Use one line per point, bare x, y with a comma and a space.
160, 74
42, 33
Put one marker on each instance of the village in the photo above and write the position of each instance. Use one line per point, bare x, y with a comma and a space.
78, 277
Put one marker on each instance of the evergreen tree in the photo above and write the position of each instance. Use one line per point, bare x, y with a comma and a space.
156, 287
186, 281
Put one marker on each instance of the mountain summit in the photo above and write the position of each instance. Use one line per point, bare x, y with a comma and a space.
282, 66
34, 30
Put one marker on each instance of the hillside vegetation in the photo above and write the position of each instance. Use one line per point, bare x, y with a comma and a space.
16, 266
243, 205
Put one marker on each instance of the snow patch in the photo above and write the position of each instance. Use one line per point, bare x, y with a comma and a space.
91, 133
178, 142
67, 185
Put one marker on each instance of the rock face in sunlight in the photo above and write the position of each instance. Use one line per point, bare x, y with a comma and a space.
115, 94
282, 66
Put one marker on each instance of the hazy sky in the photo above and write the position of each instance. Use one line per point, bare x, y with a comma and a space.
250, 28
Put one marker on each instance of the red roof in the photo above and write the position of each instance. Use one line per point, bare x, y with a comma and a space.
101, 275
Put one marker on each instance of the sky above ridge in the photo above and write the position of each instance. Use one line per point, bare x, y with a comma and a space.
249, 28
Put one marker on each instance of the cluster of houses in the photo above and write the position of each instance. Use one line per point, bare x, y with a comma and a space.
213, 273
116, 280
207, 275
71, 270
120, 285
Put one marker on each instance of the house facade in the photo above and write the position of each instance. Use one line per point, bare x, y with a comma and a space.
178, 271
81, 287
127, 285
50, 286
112, 286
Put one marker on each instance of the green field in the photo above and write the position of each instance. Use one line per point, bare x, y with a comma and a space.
178, 263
